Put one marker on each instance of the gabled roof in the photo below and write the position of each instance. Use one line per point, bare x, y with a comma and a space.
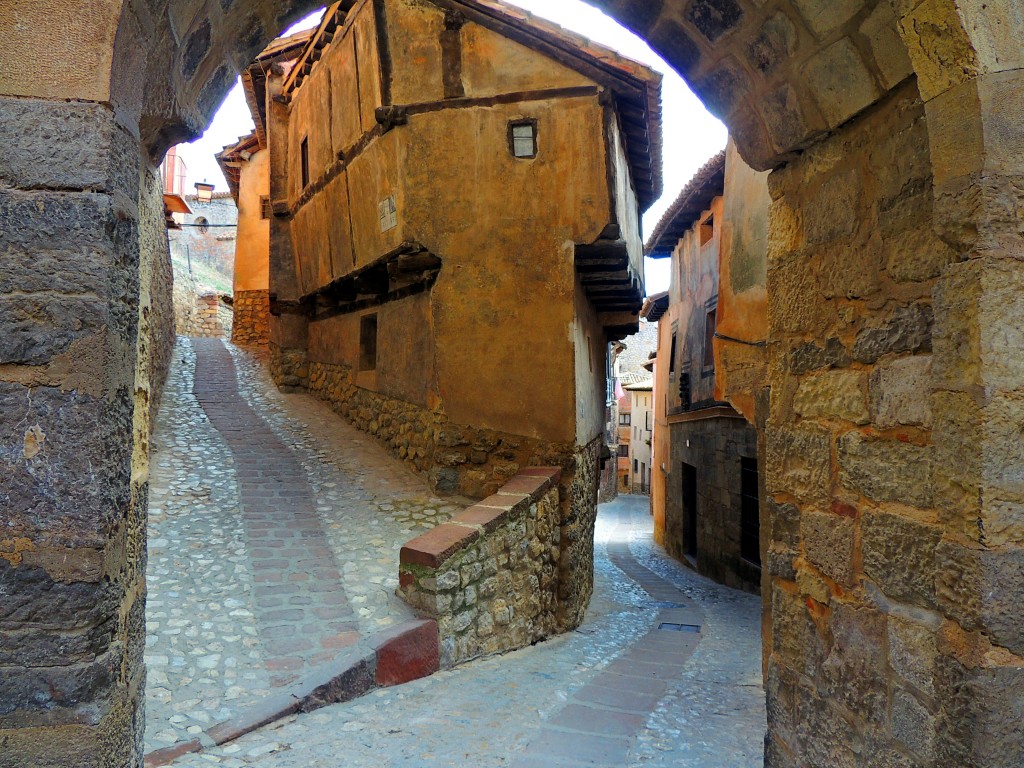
696, 197
644, 385
635, 86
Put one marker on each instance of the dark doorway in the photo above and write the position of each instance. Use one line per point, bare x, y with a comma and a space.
689, 510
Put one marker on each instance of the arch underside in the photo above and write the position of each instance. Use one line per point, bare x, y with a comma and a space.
894, 565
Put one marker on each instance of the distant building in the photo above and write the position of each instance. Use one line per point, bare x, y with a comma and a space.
705, 485
641, 435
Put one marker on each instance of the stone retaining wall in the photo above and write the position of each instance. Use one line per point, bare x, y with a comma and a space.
212, 318
458, 459
251, 325
489, 577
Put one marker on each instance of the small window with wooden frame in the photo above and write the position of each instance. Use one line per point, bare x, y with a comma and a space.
522, 138
368, 343
266, 207
304, 161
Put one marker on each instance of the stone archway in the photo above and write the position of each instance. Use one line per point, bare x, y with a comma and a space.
893, 626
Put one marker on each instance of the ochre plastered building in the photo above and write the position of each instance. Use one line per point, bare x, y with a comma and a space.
892, 549
705, 492
447, 269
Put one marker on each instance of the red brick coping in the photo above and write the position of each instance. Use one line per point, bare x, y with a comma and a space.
439, 544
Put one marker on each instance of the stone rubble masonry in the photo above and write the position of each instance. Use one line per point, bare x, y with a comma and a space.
470, 462
251, 326
212, 318
458, 459
489, 577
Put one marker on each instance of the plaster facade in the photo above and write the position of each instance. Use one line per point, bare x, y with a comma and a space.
892, 597
401, 294
706, 494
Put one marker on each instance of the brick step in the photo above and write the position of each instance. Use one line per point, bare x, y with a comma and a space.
398, 655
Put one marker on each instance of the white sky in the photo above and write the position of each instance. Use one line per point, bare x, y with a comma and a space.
691, 135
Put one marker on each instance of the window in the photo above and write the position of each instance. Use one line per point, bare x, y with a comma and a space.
647, 420
522, 137
624, 450
750, 515
707, 230
710, 323
636, 465
368, 343
672, 359
624, 419
266, 209
202, 225
304, 160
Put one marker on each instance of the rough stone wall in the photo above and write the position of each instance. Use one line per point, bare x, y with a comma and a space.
863, 574
458, 459
489, 576
212, 318
713, 447
608, 480
251, 324
73, 494
579, 513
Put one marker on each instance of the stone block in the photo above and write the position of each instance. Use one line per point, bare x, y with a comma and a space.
829, 543
980, 716
912, 652
808, 356
834, 395
983, 590
713, 18
908, 329
901, 392
912, 724
799, 461
57, 695
886, 470
775, 43
795, 638
854, 672
899, 556
887, 47
823, 17
839, 79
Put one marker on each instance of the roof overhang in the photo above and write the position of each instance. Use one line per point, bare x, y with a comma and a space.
707, 184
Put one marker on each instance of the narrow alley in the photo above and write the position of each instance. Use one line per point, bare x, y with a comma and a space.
664, 671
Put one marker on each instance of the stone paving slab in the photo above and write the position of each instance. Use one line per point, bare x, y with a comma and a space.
502, 711
274, 532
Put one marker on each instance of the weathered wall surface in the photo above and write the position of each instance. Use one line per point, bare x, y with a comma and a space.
71, 400
714, 447
250, 324
741, 362
252, 243
864, 554
489, 576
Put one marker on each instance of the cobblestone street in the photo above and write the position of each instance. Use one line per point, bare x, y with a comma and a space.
229, 622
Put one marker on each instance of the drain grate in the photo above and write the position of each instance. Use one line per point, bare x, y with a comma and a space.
679, 627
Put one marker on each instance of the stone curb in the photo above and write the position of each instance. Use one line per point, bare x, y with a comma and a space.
406, 652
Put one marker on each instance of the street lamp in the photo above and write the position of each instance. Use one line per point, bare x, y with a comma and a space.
204, 191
